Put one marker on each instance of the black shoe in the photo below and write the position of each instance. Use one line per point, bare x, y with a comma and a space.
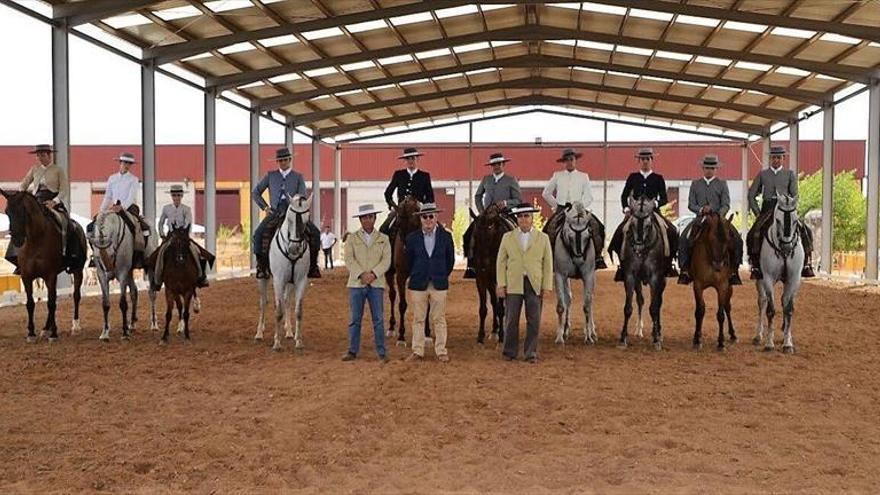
314, 272
684, 278
202, 282
383, 360
155, 287
532, 359
262, 272
756, 274
671, 272
618, 275
507, 358
600, 263
349, 357
470, 273
807, 272
734, 279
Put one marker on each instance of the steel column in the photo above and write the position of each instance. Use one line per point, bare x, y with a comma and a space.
148, 139
765, 152
337, 193
255, 173
794, 140
61, 101
826, 261
316, 181
288, 134
873, 178
744, 200
470, 200
210, 196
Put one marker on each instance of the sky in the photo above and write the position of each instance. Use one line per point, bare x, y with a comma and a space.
105, 105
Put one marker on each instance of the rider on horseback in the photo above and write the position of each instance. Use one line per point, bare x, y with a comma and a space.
283, 184
496, 188
769, 183
646, 183
708, 194
565, 188
48, 183
120, 198
409, 181
177, 216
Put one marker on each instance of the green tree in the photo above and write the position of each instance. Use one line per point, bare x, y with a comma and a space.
460, 222
849, 207
537, 218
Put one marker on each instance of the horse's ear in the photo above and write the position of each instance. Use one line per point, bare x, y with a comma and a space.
4, 193
471, 211
631, 201
309, 200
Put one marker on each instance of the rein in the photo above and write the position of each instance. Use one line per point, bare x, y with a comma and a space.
287, 240
640, 247
578, 251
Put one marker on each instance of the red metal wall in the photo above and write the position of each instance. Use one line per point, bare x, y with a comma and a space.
676, 160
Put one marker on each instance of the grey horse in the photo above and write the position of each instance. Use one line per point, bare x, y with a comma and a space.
574, 257
643, 263
289, 263
782, 257
113, 252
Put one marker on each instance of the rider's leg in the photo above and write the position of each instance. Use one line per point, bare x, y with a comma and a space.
598, 234
314, 248
616, 246
467, 240
736, 255
807, 241
670, 241
257, 249
754, 244
684, 247
203, 277
388, 224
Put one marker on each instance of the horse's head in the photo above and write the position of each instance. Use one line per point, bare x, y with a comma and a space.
642, 208
178, 245
408, 214
105, 226
576, 235
295, 220
785, 219
714, 234
17, 211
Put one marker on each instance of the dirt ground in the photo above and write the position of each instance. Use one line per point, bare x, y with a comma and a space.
226, 415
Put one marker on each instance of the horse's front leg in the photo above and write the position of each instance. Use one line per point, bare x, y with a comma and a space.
123, 308
759, 326
31, 305
288, 326
169, 312
788, 294
719, 315
51, 305
281, 301
640, 303
770, 312
133, 290
154, 321
300, 295
590, 336
179, 302
187, 300
401, 311
699, 314
481, 334
105, 306
658, 285
628, 285
731, 332
77, 297
392, 298
263, 285
559, 283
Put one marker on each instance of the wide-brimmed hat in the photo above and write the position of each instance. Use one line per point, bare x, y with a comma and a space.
710, 161
524, 208
42, 148
569, 153
427, 208
281, 154
176, 189
367, 209
126, 157
496, 158
645, 153
777, 151
409, 153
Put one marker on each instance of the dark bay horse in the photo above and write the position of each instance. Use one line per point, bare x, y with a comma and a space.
180, 276
644, 263
408, 221
489, 227
37, 239
710, 266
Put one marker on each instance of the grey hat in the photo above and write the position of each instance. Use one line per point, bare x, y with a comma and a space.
367, 209
569, 153
176, 189
710, 161
645, 153
42, 148
427, 208
777, 151
126, 157
282, 154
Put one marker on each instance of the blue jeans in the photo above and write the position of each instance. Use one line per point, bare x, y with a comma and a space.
357, 297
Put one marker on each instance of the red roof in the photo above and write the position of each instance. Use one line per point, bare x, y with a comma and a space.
675, 160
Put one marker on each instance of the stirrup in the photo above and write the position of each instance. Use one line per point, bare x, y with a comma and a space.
807, 272
314, 272
600, 263
684, 278
734, 279
470, 273
756, 274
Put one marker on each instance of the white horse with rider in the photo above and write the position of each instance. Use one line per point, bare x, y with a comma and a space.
289, 265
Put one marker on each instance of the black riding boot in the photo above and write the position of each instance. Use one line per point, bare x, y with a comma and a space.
262, 266
202, 282
314, 248
618, 275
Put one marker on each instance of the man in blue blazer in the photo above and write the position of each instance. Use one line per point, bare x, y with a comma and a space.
430, 256
283, 184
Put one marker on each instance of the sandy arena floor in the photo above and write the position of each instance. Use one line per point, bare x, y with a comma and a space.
227, 415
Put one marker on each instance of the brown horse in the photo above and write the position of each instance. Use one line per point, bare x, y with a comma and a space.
37, 239
710, 266
180, 275
489, 227
408, 221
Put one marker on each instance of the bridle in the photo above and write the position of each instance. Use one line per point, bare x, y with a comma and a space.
283, 240
578, 250
107, 263
638, 241
782, 247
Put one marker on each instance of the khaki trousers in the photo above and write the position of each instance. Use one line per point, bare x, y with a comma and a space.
437, 300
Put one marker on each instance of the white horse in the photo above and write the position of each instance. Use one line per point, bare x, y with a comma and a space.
289, 262
574, 256
782, 258
113, 252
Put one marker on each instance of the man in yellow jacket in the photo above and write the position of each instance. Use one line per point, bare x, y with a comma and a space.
525, 274
367, 257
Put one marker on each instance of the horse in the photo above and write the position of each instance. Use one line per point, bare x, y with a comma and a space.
289, 265
491, 227
574, 256
782, 257
37, 239
180, 276
408, 221
643, 263
710, 266
113, 253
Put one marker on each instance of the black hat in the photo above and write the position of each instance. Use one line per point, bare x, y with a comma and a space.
710, 161
645, 153
42, 148
409, 153
497, 158
282, 154
777, 151
569, 153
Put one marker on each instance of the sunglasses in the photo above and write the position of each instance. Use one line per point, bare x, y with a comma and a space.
428, 217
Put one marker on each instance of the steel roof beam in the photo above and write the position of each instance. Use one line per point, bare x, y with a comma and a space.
77, 13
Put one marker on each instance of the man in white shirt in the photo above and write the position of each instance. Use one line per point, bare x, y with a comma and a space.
565, 188
328, 240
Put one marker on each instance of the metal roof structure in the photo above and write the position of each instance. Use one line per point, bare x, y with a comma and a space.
343, 67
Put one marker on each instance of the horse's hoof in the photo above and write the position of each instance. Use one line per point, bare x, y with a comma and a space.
721, 348
658, 346
163, 341
789, 349
560, 340
300, 350
733, 339
622, 345
288, 337
44, 334
697, 346
389, 334
126, 338
104, 338
756, 341
53, 339
31, 339
276, 348
401, 343
768, 348
429, 341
